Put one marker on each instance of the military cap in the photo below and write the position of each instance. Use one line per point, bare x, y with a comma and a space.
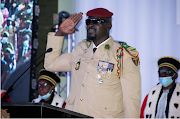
170, 62
5, 32
49, 76
99, 12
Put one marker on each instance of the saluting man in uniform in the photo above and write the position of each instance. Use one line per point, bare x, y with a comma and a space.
46, 84
163, 100
106, 81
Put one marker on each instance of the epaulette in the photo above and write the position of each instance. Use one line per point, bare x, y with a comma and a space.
124, 44
128, 51
88, 42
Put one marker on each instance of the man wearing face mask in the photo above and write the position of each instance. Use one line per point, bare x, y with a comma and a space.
10, 29
13, 11
6, 43
25, 13
27, 29
45, 85
23, 49
164, 99
10, 59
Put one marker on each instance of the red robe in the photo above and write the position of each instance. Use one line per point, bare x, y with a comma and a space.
143, 106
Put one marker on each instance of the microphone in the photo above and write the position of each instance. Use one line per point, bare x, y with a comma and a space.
11, 87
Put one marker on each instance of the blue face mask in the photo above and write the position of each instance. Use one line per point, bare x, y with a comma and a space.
2, 5
28, 11
166, 81
4, 40
47, 95
26, 43
8, 27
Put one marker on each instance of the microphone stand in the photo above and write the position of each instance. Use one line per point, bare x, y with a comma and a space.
11, 87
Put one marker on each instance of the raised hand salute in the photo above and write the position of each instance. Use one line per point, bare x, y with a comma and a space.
68, 26
98, 89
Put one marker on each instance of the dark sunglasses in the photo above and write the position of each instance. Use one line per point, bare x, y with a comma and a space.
96, 21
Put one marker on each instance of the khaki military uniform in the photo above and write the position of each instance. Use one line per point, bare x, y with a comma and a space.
93, 93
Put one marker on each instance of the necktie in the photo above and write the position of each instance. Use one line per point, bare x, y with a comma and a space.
94, 49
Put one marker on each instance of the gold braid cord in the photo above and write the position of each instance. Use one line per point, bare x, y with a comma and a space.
126, 49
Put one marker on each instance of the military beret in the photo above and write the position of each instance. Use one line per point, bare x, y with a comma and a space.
99, 12
170, 62
49, 76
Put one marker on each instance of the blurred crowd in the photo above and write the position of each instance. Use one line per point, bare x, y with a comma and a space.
16, 34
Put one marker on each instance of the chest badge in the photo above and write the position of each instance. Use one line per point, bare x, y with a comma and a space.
77, 65
100, 81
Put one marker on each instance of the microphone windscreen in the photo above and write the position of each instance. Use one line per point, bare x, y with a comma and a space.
49, 50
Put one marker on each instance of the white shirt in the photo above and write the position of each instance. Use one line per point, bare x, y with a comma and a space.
94, 46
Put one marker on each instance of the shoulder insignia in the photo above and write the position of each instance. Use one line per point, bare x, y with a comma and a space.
130, 52
88, 42
136, 61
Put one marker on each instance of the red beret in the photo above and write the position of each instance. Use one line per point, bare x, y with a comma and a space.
99, 12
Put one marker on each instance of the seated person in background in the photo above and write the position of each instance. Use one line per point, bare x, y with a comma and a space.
45, 85
163, 101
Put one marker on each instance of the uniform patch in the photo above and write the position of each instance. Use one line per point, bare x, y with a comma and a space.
107, 46
135, 60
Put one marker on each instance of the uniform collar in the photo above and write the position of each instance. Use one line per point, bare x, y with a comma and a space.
94, 46
100, 52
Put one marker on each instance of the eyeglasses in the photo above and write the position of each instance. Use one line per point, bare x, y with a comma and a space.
41, 85
96, 21
165, 71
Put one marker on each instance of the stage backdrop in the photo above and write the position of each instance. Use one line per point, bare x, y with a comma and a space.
148, 25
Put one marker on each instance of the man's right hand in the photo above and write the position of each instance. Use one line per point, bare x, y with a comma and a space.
68, 26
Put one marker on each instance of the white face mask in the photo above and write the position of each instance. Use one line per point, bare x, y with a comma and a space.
4, 40
14, 4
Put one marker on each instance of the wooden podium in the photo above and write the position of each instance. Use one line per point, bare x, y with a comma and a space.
38, 110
